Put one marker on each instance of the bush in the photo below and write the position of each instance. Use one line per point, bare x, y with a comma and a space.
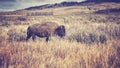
16, 35
21, 19
7, 24
3, 36
112, 31
88, 38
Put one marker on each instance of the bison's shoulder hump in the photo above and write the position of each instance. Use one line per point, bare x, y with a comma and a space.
49, 24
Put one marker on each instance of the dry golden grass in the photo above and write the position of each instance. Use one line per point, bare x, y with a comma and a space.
92, 40
61, 54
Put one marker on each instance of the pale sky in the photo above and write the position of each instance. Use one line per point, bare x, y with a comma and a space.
9, 5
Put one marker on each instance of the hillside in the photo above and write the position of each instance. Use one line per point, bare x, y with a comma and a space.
68, 8
56, 5
65, 4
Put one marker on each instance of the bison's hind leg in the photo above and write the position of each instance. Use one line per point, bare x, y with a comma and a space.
29, 34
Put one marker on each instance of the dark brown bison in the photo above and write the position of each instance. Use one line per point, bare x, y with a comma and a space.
46, 30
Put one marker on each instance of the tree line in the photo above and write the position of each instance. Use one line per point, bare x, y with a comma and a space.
103, 0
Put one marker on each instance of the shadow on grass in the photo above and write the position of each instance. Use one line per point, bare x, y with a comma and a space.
4, 61
112, 10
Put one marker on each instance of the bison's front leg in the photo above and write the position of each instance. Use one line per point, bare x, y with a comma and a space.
33, 37
47, 39
28, 36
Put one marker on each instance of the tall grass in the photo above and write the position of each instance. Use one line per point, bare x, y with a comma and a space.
91, 41
62, 54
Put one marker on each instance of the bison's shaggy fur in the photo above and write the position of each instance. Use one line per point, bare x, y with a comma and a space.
46, 29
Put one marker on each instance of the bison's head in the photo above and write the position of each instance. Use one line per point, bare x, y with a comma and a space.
60, 31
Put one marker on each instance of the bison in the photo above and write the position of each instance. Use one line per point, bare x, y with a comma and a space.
46, 30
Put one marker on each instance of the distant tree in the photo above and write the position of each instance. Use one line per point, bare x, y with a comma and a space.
69, 3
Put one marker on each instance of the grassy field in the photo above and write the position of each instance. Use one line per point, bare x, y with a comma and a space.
92, 38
